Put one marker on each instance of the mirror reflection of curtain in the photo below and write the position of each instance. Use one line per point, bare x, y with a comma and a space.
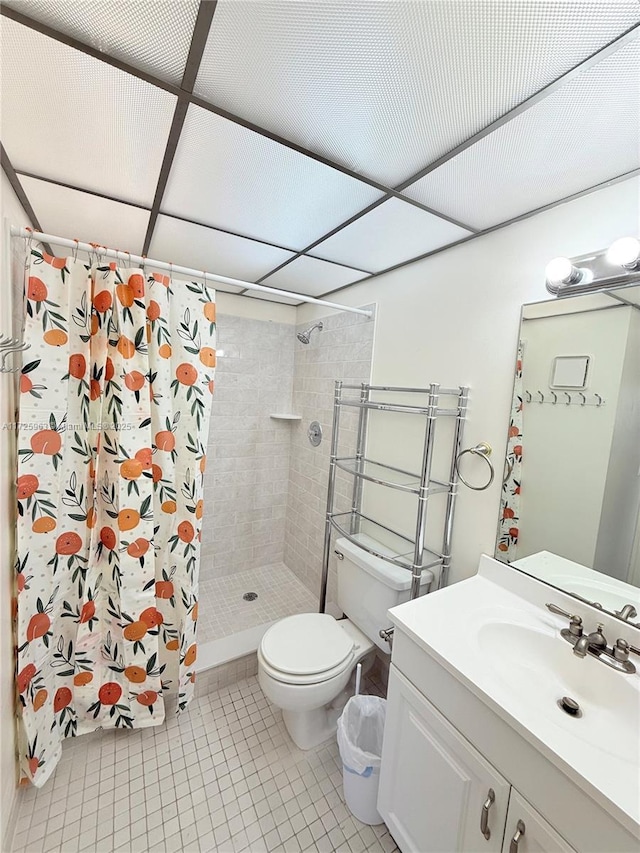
510, 502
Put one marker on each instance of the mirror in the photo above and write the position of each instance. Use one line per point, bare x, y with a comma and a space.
570, 508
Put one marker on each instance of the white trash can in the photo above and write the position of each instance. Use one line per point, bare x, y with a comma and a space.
360, 730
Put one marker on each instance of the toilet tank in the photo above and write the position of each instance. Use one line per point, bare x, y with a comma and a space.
368, 586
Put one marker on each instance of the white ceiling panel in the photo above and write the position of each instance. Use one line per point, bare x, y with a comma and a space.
312, 276
228, 176
85, 217
389, 234
149, 35
585, 133
214, 251
385, 87
72, 118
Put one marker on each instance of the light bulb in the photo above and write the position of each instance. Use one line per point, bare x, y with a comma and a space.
625, 253
562, 271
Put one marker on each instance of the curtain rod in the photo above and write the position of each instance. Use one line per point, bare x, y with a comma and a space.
119, 255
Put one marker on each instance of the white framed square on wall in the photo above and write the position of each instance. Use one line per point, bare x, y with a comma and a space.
570, 371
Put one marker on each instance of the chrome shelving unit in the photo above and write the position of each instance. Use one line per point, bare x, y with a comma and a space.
407, 552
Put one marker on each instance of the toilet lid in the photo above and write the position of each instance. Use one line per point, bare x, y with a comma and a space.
306, 644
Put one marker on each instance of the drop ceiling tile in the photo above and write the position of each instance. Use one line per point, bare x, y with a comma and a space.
585, 133
312, 276
81, 216
72, 118
386, 87
152, 36
231, 177
204, 248
392, 232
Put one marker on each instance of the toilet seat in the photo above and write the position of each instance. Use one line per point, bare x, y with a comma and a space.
307, 648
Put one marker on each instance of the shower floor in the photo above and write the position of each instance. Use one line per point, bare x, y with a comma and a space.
223, 611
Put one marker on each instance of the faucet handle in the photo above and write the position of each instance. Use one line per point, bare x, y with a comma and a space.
555, 609
622, 648
575, 622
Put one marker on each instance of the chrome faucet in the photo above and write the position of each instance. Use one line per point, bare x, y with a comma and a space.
595, 643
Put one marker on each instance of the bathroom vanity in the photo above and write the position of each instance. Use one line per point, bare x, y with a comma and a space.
478, 755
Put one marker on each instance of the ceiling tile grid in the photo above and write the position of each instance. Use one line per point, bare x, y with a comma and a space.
312, 276
387, 235
214, 251
378, 86
586, 132
85, 217
386, 87
228, 176
150, 35
75, 119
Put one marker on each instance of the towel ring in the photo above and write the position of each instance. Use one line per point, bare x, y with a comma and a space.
484, 451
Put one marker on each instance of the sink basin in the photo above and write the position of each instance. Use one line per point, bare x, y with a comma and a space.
541, 668
493, 633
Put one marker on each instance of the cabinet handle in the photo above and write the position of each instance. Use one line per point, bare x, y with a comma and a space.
513, 847
484, 814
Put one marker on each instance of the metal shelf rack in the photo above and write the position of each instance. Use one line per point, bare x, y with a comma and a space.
408, 553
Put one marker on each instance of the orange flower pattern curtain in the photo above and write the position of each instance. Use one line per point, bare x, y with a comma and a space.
508, 529
116, 392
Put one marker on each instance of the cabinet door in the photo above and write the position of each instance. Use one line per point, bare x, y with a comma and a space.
433, 783
528, 832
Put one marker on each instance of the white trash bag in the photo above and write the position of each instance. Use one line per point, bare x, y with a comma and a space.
360, 730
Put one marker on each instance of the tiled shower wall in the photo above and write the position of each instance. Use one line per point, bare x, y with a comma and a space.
343, 350
246, 480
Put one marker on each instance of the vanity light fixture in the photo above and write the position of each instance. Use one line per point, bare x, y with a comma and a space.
625, 253
560, 271
617, 266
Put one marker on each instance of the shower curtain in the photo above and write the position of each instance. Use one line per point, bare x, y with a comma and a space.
116, 394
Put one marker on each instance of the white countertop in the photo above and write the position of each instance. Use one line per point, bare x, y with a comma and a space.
446, 625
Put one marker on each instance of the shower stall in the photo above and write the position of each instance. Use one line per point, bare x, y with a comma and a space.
265, 484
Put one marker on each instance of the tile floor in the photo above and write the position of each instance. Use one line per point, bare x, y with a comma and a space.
223, 777
223, 611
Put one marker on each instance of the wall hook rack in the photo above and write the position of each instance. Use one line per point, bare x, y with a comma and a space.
578, 399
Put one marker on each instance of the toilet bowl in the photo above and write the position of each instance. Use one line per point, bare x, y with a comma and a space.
305, 663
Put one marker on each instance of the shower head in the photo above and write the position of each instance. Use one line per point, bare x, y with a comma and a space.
305, 337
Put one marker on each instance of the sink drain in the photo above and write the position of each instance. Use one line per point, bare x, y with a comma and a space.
569, 706
250, 596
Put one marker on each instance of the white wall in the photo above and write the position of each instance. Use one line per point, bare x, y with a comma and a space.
10, 270
453, 318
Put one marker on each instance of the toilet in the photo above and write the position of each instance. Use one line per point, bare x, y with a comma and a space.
305, 662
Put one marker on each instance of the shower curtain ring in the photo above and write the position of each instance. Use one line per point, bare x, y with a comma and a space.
27, 255
584, 399
555, 397
600, 401
541, 400
569, 400
144, 264
75, 250
528, 396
